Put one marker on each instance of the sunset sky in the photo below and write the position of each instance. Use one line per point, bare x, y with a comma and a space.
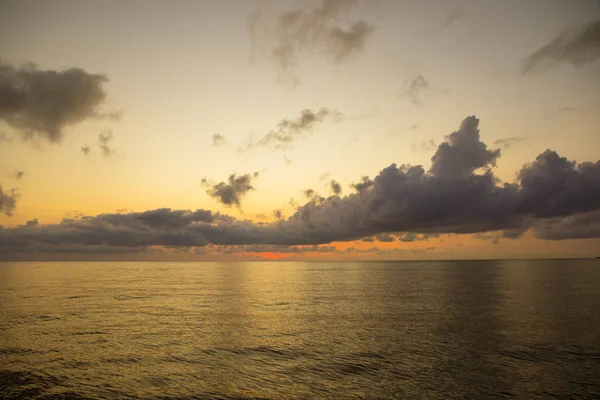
193, 130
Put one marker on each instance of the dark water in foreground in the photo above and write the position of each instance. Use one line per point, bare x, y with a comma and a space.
474, 329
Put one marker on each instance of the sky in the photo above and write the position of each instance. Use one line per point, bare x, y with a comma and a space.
299, 130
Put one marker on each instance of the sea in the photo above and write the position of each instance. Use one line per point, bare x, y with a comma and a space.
523, 329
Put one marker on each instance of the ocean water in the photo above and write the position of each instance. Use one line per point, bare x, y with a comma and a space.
397, 330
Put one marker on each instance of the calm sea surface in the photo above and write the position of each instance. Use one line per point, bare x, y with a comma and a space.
402, 330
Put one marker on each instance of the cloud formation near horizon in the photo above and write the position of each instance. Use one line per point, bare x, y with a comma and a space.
40, 104
458, 194
577, 46
289, 130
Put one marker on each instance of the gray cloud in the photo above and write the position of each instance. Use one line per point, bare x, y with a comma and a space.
230, 193
40, 104
463, 152
364, 184
423, 146
309, 193
336, 188
86, 149
458, 195
414, 87
345, 42
580, 226
324, 176
104, 139
578, 46
8, 201
218, 140
309, 29
508, 142
289, 130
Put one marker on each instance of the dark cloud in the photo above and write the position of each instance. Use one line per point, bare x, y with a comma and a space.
458, 195
414, 87
578, 46
364, 184
385, 237
230, 193
278, 214
579, 226
463, 152
104, 139
41, 104
86, 149
8, 201
32, 223
553, 186
309, 193
336, 188
289, 130
19, 174
507, 142
309, 29
218, 140
423, 146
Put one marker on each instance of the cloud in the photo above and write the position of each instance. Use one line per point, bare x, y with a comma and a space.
423, 146
345, 42
8, 201
287, 160
41, 104
19, 174
579, 226
324, 176
459, 194
309, 193
104, 139
414, 87
289, 130
364, 184
463, 152
454, 16
218, 140
336, 188
508, 142
308, 29
86, 149
231, 193
577, 46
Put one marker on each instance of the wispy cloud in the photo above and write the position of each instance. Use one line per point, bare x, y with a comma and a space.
289, 130
104, 138
309, 28
508, 142
218, 140
577, 46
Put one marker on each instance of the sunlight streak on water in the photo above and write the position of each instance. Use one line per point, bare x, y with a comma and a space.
474, 329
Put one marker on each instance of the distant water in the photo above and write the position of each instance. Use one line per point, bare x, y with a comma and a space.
403, 330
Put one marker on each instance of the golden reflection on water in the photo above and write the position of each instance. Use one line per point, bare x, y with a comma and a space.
300, 330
